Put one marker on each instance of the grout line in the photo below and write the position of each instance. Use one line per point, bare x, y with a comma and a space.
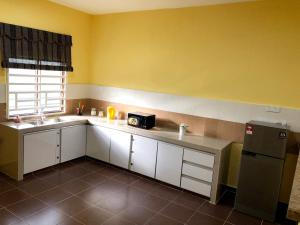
158, 212
194, 213
226, 220
21, 219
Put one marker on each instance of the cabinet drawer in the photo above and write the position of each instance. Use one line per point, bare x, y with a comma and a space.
200, 158
197, 172
195, 186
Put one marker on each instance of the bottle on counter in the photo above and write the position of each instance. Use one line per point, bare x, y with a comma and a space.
111, 112
93, 112
182, 130
101, 113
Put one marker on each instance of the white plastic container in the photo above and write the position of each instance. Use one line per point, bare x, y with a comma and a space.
93, 112
182, 130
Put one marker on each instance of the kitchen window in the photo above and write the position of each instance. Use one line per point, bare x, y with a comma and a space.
31, 92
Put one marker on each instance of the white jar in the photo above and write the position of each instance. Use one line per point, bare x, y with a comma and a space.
93, 112
182, 130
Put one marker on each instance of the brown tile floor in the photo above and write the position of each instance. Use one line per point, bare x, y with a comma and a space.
93, 193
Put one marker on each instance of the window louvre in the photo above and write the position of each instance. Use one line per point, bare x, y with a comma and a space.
31, 92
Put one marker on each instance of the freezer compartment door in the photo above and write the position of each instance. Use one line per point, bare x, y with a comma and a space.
259, 185
265, 140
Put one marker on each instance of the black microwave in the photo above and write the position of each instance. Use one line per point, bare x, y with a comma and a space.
141, 120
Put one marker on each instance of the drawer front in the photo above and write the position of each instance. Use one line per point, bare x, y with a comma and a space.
195, 186
200, 158
197, 172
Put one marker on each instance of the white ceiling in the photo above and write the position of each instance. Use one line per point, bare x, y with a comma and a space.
114, 6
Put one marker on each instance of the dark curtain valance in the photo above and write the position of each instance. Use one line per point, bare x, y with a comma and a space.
27, 48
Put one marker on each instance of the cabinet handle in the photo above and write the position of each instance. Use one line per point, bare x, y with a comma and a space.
57, 157
131, 164
132, 151
57, 145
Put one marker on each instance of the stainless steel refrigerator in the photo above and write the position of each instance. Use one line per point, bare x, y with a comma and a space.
261, 169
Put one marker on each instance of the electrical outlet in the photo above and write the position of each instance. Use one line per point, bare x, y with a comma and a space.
273, 109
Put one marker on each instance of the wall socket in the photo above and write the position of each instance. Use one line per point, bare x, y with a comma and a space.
273, 109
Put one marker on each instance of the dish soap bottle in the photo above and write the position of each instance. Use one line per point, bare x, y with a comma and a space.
111, 112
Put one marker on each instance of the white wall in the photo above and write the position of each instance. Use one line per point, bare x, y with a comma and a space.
210, 108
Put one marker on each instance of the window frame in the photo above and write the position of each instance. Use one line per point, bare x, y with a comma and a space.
38, 91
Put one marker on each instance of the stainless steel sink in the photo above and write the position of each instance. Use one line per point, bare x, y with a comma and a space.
46, 121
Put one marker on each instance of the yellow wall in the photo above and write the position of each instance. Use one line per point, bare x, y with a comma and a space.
42, 14
247, 52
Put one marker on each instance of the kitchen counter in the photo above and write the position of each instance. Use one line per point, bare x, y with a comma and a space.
294, 204
208, 144
12, 146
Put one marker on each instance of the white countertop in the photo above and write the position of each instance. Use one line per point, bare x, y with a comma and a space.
208, 144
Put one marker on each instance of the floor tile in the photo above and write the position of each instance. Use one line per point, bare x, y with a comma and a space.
189, 200
76, 172
65, 165
126, 178
21, 223
145, 185
133, 195
93, 216
12, 196
72, 205
26, 207
238, 218
53, 196
220, 210
110, 172
153, 202
114, 203
58, 178
70, 221
93, 166
94, 178
47, 216
136, 214
44, 172
166, 192
117, 221
163, 220
75, 186
92, 195
177, 212
26, 179
111, 186
5, 186
201, 219
35, 187
7, 218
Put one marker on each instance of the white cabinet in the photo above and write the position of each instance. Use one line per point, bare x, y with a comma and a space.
169, 163
98, 142
73, 142
41, 150
120, 148
143, 155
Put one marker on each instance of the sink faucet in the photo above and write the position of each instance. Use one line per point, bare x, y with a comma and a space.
42, 116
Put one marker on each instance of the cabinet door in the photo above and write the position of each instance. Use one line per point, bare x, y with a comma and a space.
120, 148
143, 155
73, 142
98, 143
169, 163
41, 150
